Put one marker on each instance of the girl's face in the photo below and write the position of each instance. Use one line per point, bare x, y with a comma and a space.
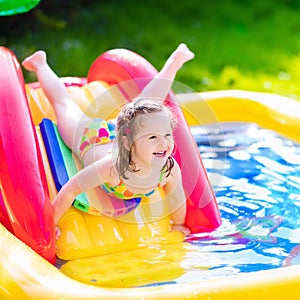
153, 140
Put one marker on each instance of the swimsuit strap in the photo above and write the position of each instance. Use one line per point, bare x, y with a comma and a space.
161, 176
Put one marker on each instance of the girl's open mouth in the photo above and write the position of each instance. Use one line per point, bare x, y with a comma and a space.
160, 154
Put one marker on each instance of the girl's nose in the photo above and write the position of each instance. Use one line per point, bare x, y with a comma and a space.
164, 141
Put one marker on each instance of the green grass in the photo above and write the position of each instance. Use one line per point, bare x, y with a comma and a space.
243, 44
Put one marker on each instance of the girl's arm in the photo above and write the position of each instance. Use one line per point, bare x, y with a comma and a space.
159, 87
176, 197
87, 178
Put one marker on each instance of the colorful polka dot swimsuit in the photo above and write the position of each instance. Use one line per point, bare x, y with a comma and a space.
120, 191
97, 132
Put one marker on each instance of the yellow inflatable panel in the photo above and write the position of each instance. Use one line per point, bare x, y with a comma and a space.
130, 268
267, 110
25, 275
85, 235
96, 98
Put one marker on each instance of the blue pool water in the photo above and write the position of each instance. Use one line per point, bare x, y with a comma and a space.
256, 177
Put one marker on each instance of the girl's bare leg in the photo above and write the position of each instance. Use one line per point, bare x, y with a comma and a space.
70, 118
159, 87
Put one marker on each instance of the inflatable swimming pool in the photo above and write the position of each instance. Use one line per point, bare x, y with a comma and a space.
26, 275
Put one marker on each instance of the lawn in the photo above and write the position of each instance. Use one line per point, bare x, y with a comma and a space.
243, 44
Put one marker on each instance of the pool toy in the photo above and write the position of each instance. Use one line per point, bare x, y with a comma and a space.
24, 274
8, 7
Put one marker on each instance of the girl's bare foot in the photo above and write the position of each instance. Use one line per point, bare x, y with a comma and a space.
36, 59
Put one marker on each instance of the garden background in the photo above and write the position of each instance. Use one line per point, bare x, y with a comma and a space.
242, 44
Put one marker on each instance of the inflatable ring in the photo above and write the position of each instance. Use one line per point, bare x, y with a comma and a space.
8, 7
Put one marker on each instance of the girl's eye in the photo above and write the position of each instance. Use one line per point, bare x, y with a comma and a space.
152, 137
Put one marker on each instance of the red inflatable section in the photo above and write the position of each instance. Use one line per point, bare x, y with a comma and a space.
25, 204
131, 73
4, 218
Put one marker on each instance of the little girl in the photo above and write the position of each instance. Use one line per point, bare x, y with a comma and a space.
144, 142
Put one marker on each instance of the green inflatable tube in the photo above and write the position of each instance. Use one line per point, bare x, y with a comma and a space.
9, 7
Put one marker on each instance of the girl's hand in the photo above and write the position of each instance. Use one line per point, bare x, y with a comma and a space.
57, 232
186, 231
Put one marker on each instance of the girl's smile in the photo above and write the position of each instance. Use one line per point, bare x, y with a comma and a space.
161, 154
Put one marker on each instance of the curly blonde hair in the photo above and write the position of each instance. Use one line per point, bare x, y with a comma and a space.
127, 128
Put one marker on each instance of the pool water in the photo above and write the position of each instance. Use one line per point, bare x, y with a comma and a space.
256, 177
